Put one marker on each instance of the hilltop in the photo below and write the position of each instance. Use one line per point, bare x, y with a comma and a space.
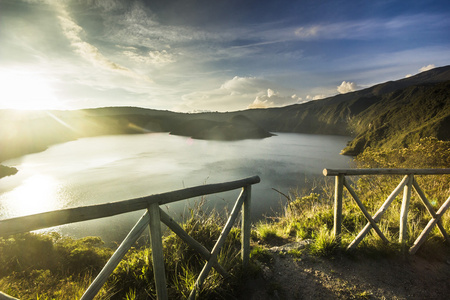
394, 113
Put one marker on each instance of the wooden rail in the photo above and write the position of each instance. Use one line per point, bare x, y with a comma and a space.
152, 218
406, 184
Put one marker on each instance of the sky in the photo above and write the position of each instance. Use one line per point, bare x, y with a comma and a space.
211, 55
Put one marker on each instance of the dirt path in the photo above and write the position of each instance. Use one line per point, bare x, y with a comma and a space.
349, 277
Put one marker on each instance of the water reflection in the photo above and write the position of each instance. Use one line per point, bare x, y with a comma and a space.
38, 193
113, 168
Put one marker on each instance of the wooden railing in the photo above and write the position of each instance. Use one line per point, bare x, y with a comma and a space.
406, 184
152, 218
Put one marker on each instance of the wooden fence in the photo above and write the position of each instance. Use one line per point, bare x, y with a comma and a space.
152, 218
406, 184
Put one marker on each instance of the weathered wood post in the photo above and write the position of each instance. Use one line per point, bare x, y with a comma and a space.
157, 251
423, 236
430, 209
115, 259
338, 192
246, 227
405, 208
378, 214
220, 242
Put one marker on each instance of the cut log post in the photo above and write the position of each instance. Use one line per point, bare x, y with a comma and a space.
338, 192
246, 227
430, 209
4, 296
167, 220
378, 214
365, 212
404, 212
215, 251
157, 251
115, 259
375, 171
423, 236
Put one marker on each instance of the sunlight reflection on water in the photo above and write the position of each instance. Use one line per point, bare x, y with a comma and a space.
113, 168
38, 193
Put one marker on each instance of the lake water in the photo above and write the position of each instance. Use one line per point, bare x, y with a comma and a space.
112, 168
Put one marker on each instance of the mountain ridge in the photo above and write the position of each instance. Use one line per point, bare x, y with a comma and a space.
393, 113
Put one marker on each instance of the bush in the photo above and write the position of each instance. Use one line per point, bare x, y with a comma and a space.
49, 266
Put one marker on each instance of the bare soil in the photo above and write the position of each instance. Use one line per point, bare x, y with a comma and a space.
304, 276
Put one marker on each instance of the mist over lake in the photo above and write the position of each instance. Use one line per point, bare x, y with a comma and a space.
113, 168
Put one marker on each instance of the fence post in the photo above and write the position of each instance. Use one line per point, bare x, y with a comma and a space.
157, 251
115, 259
338, 191
405, 208
246, 227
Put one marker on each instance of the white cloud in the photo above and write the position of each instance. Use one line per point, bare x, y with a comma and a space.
271, 93
427, 68
370, 28
161, 57
308, 32
423, 69
244, 85
236, 94
273, 99
347, 87
339, 30
316, 97
258, 103
89, 52
157, 58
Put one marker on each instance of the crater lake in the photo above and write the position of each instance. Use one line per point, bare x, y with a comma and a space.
119, 167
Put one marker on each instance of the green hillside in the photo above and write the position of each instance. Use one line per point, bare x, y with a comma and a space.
403, 117
389, 114
394, 113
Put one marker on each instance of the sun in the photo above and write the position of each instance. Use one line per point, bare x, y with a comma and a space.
26, 90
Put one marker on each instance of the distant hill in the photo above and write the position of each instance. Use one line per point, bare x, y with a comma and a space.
34, 131
394, 113
402, 117
389, 114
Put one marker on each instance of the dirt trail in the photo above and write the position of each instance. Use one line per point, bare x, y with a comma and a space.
349, 277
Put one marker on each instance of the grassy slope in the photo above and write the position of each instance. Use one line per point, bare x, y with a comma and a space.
388, 114
402, 117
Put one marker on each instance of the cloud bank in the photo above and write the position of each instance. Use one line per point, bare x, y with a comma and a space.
423, 69
185, 55
347, 87
89, 52
241, 92
427, 68
273, 99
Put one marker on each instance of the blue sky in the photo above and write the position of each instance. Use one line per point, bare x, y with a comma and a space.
203, 55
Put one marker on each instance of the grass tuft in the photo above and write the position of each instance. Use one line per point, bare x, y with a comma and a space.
324, 243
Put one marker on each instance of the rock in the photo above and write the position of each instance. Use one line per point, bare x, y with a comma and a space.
291, 246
